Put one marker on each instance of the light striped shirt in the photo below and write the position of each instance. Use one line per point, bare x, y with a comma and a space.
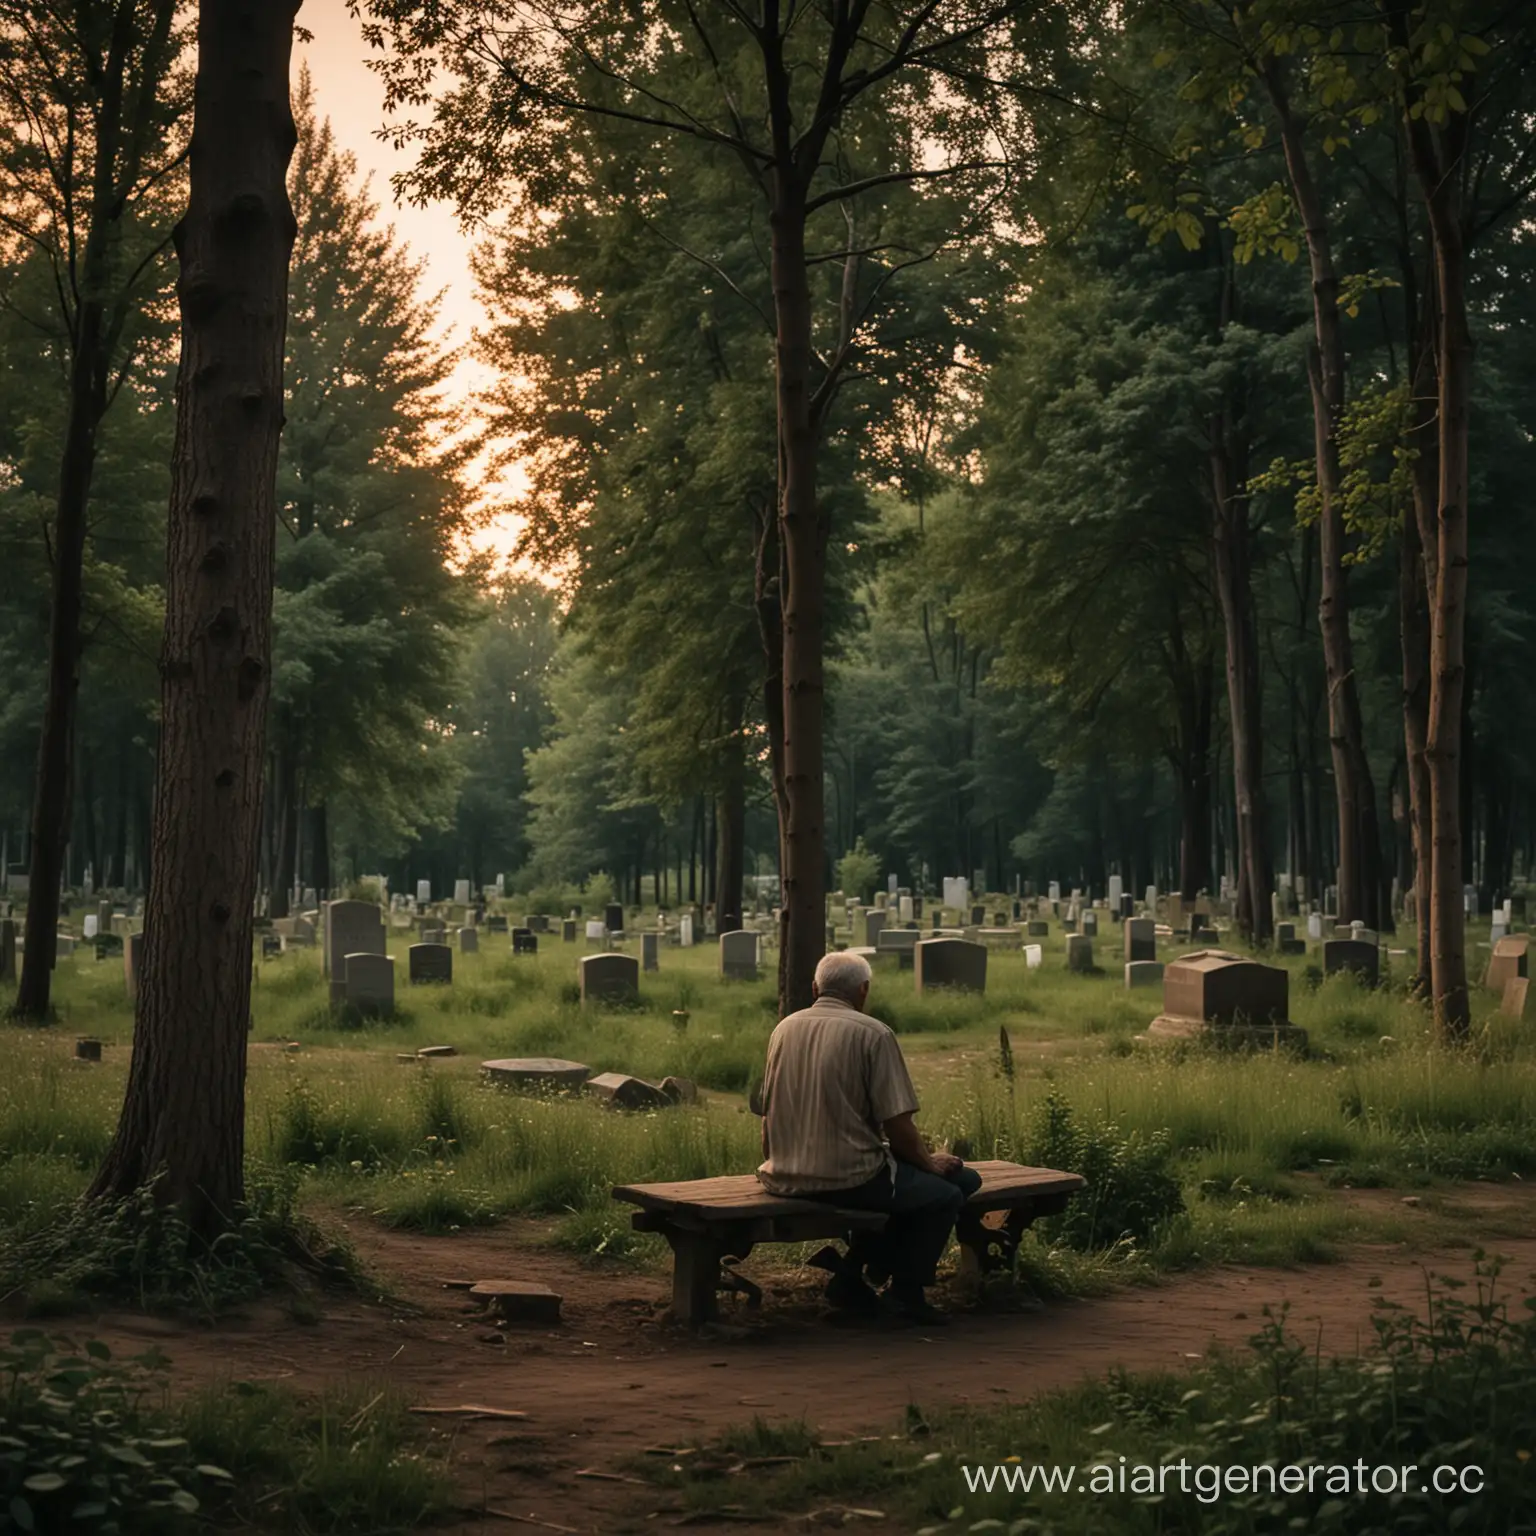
834, 1076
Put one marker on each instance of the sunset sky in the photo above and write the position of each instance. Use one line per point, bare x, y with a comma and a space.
349, 93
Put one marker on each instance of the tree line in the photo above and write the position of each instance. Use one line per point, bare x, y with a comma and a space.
1034, 442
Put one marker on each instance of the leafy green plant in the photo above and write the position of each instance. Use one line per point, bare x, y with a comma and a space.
77, 1453
1130, 1193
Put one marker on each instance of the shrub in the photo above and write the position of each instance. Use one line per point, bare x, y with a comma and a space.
857, 871
77, 1454
1129, 1193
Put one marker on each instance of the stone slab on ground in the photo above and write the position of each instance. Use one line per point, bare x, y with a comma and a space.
621, 1091
536, 1072
518, 1301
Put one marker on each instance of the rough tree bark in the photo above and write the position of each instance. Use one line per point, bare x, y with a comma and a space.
183, 1119
1359, 868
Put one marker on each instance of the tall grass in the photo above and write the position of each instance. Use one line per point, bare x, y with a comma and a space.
436, 1147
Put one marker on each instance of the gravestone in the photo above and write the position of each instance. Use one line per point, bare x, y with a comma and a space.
1116, 891
526, 942
302, 932
949, 963
568, 930
597, 930
1036, 928
1079, 953
1140, 939
497, 923
351, 928
978, 915
1143, 973
133, 957
469, 941
994, 938
1314, 925
609, 978
103, 917
1034, 956
1225, 996
537, 1072
905, 911
1286, 940
685, 931
7, 949
738, 955
1352, 955
368, 982
613, 917
461, 893
1512, 1005
874, 921
1090, 925
429, 964
89, 928
423, 892
1511, 958
620, 1091
650, 959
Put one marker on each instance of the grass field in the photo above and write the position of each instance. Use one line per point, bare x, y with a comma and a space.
1252, 1142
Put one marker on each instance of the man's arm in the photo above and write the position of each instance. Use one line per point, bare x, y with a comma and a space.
908, 1147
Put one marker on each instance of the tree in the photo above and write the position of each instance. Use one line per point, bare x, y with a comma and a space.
821, 112
373, 505
88, 141
183, 1119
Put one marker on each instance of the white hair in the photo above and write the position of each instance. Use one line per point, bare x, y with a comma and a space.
840, 974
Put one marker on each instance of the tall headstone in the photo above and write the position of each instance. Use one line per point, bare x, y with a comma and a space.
568, 930
351, 928
1091, 925
469, 941
7, 949
1079, 953
949, 963
904, 909
609, 978
461, 893
369, 983
874, 921
1140, 940
738, 955
613, 917
1116, 891
685, 930
133, 954
423, 892
650, 957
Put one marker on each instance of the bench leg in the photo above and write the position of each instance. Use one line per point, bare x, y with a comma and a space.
695, 1277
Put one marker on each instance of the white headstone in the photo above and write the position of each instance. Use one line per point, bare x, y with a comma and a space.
423, 892
890, 885
1151, 898
1053, 890
461, 893
597, 929
91, 926
685, 930
1116, 891
904, 910
1033, 955
1315, 925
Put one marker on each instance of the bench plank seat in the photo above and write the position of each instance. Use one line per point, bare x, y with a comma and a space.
707, 1220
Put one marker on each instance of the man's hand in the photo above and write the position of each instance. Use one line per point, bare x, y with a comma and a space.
910, 1148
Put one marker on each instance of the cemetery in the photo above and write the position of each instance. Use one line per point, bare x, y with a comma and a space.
763, 766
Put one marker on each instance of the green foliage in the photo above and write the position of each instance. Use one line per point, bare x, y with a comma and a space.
858, 872
1130, 1191
77, 1450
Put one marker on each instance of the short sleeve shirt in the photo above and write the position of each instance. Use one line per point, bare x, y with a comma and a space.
834, 1076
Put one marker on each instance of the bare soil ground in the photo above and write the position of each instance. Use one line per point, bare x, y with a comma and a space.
615, 1378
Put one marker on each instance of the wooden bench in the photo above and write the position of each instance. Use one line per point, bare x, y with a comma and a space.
707, 1221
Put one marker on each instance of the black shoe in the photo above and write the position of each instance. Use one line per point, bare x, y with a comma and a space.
848, 1293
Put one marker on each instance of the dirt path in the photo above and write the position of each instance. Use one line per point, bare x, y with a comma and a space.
615, 1378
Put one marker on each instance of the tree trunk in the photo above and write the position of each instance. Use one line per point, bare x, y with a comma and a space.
1437, 156
55, 772
320, 852
1195, 794
1359, 865
802, 539
285, 865
1414, 629
730, 835
184, 1114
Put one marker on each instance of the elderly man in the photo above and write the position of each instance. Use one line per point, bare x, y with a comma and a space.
837, 1107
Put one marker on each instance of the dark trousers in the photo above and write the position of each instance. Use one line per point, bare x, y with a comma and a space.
922, 1209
